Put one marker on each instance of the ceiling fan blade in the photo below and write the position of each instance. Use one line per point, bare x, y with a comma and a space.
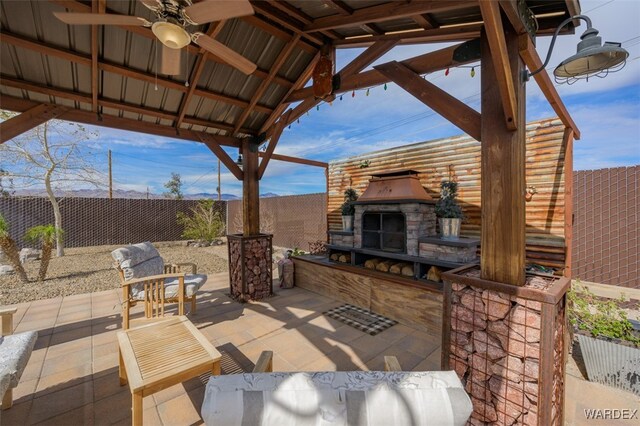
217, 10
152, 4
223, 52
101, 19
170, 61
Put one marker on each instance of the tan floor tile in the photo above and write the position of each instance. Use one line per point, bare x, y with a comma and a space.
180, 411
18, 414
62, 362
79, 416
25, 390
62, 401
60, 337
418, 346
63, 379
108, 385
104, 364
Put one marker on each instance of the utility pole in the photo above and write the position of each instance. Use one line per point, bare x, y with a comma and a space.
110, 178
147, 192
219, 189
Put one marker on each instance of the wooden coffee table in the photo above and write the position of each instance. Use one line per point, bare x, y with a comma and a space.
162, 354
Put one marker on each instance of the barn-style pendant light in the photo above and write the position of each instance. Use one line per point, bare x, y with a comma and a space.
591, 59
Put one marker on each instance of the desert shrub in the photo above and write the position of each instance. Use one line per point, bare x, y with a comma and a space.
203, 223
600, 318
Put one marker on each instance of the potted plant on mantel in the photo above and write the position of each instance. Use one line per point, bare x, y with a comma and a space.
448, 210
348, 210
609, 344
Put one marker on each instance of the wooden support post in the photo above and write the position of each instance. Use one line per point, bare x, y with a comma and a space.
250, 189
567, 145
503, 171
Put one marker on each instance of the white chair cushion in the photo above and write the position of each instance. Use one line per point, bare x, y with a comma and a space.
337, 398
134, 254
192, 283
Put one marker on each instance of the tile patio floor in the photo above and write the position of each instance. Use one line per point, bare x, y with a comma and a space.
72, 376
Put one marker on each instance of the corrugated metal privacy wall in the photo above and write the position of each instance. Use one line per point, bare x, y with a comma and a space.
605, 232
294, 220
98, 221
459, 158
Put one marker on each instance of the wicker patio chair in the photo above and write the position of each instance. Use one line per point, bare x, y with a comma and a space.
146, 278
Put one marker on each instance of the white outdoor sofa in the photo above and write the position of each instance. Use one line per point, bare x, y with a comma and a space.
336, 398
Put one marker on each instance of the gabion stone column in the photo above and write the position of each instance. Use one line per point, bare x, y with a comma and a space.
507, 345
250, 267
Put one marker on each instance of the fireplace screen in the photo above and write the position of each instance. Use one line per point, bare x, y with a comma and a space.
384, 231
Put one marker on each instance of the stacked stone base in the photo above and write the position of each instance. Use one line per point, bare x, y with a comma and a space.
506, 345
250, 267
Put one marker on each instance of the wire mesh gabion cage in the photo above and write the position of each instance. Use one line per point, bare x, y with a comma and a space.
507, 345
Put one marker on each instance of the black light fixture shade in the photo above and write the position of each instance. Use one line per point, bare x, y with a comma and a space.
592, 58
239, 161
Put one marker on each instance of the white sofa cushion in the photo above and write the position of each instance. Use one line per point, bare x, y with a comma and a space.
337, 398
15, 351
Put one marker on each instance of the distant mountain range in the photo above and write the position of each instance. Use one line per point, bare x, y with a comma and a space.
120, 193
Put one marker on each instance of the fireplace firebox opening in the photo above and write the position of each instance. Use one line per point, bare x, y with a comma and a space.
384, 231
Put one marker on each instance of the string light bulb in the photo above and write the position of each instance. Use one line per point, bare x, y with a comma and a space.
317, 107
367, 92
473, 72
353, 94
446, 72
385, 86
340, 97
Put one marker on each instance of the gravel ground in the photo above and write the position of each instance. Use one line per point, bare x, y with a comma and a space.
89, 269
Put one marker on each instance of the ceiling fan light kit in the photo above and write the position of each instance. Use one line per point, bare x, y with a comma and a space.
171, 35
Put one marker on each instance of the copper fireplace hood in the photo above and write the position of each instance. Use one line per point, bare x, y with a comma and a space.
395, 187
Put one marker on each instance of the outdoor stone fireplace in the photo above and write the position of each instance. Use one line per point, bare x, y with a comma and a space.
393, 213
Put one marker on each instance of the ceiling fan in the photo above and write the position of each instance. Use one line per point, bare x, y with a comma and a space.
172, 19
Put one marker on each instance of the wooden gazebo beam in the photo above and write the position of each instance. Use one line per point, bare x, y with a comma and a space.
435, 35
97, 6
275, 67
359, 63
282, 106
531, 58
427, 63
384, 12
215, 147
458, 113
267, 10
89, 117
85, 60
114, 104
275, 137
29, 119
495, 36
213, 31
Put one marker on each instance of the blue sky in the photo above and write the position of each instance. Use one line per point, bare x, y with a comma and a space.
607, 111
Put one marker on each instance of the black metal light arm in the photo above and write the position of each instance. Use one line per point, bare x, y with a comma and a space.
553, 42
